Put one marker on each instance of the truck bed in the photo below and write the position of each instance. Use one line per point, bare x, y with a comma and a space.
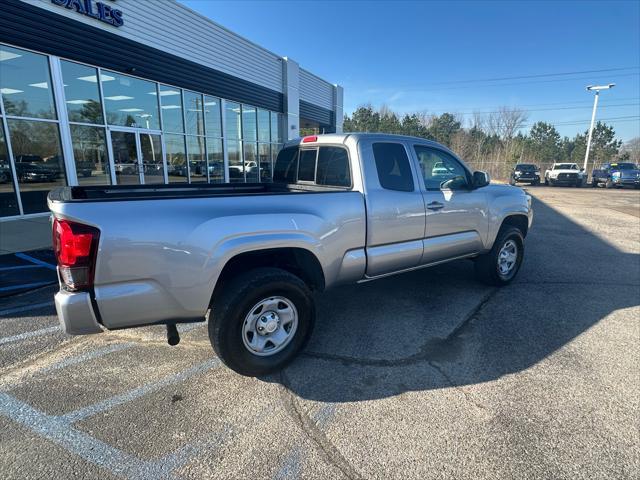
175, 191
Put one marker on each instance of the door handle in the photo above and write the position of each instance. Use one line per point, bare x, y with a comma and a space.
435, 206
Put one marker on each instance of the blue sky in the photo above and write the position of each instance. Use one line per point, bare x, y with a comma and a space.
437, 56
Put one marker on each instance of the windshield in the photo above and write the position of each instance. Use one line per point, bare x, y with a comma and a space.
526, 167
565, 166
623, 166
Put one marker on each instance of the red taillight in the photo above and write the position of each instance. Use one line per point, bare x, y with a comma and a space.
75, 246
312, 138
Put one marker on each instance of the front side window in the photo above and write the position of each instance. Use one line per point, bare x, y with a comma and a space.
438, 167
392, 164
130, 101
82, 93
25, 84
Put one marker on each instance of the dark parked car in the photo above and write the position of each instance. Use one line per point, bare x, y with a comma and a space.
616, 175
525, 172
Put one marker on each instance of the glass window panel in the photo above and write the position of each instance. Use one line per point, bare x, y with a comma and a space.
130, 101
194, 113
264, 121
264, 160
197, 159
215, 158
307, 165
236, 170
249, 127
275, 127
151, 149
392, 163
171, 101
90, 155
176, 158
212, 115
333, 167
39, 164
285, 166
8, 199
232, 120
125, 157
81, 92
250, 161
25, 84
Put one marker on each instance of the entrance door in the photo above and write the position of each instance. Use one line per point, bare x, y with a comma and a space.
137, 157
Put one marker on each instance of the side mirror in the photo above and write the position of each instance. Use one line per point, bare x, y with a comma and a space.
481, 179
582, 169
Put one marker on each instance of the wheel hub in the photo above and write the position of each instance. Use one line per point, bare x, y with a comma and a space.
268, 323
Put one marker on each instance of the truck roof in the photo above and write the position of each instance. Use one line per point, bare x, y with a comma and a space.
342, 138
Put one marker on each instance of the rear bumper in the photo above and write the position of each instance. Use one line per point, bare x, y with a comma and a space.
76, 314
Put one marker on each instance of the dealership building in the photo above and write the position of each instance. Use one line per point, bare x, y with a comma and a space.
118, 92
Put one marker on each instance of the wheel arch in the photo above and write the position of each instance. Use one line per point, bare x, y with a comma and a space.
296, 260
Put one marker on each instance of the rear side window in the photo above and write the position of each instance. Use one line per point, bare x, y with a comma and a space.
326, 166
307, 165
333, 167
286, 166
392, 164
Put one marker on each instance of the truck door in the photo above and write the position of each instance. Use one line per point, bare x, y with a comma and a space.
395, 207
457, 219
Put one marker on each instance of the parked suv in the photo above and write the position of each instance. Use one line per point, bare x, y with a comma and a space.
525, 172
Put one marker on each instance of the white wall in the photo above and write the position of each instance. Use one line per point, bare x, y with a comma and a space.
196, 38
315, 90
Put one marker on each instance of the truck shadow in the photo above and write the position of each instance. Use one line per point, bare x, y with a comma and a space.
438, 328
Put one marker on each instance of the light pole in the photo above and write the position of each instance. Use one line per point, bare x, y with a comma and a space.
597, 89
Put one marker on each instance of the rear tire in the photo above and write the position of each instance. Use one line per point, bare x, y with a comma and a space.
492, 268
236, 313
546, 181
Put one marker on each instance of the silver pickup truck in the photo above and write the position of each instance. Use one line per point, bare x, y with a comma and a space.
343, 208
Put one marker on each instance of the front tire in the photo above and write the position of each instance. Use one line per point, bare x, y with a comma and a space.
261, 320
501, 265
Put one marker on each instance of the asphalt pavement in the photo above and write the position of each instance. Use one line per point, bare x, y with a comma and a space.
424, 375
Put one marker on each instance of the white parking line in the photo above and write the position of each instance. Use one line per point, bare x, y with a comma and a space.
55, 429
100, 352
112, 402
24, 336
